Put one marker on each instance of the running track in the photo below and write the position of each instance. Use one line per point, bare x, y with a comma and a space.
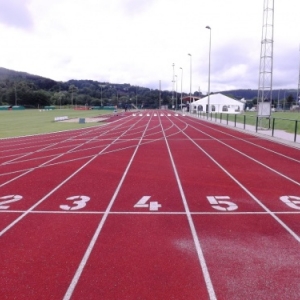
149, 206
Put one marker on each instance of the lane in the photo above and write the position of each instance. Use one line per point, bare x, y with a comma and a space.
200, 176
129, 251
284, 159
38, 257
89, 250
36, 188
143, 257
249, 257
245, 253
158, 257
267, 184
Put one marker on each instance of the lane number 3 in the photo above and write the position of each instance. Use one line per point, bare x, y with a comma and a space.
78, 203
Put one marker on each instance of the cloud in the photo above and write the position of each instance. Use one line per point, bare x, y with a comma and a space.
136, 42
133, 8
15, 13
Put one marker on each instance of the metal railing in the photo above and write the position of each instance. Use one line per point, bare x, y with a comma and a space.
255, 123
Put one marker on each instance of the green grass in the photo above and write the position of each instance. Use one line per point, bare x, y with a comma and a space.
34, 121
283, 120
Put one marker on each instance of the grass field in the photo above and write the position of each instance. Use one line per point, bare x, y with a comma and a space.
283, 120
34, 121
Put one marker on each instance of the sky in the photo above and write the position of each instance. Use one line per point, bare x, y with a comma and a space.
138, 41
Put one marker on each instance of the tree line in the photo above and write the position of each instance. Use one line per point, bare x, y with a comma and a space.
31, 91
20, 88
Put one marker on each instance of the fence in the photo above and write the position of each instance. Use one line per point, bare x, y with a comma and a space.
276, 127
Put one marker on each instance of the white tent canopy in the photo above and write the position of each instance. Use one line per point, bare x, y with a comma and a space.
218, 103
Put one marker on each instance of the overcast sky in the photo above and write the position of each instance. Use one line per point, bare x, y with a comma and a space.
137, 41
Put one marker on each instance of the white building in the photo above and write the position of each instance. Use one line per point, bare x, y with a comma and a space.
218, 104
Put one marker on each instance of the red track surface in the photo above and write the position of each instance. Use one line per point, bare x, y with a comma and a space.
167, 207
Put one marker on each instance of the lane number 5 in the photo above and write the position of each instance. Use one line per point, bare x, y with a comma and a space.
215, 202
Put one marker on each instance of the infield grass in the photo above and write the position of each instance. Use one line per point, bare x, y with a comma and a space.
34, 121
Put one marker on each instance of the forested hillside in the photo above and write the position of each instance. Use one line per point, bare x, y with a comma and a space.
32, 91
19, 88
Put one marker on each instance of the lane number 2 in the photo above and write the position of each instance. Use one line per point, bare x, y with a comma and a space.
153, 205
217, 201
78, 203
9, 199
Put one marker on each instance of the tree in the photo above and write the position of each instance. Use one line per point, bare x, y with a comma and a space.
72, 89
290, 100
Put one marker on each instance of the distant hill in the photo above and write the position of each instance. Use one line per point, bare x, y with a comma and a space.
39, 81
252, 94
36, 91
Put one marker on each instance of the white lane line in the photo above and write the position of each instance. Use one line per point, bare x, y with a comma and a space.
81, 134
249, 157
54, 158
201, 257
59, 212
251, 143
57, 187
44, 148
272, 214
86, 256
145, 141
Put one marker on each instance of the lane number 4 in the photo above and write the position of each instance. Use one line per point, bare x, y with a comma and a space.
217, 201
153, 205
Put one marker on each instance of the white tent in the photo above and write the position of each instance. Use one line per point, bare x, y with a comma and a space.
218, 104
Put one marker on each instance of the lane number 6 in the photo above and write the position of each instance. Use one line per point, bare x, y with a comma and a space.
291, 201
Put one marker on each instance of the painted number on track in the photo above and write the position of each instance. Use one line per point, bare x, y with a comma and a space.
291, 201
153, 205
9, 199
218, 203
78, 203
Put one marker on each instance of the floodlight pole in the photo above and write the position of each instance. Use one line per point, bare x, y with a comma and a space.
181, 89
175, 92
136, 97
298, 89
190, 55
208, 90
173, 86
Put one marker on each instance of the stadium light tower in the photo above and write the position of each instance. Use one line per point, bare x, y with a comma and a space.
266, 61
